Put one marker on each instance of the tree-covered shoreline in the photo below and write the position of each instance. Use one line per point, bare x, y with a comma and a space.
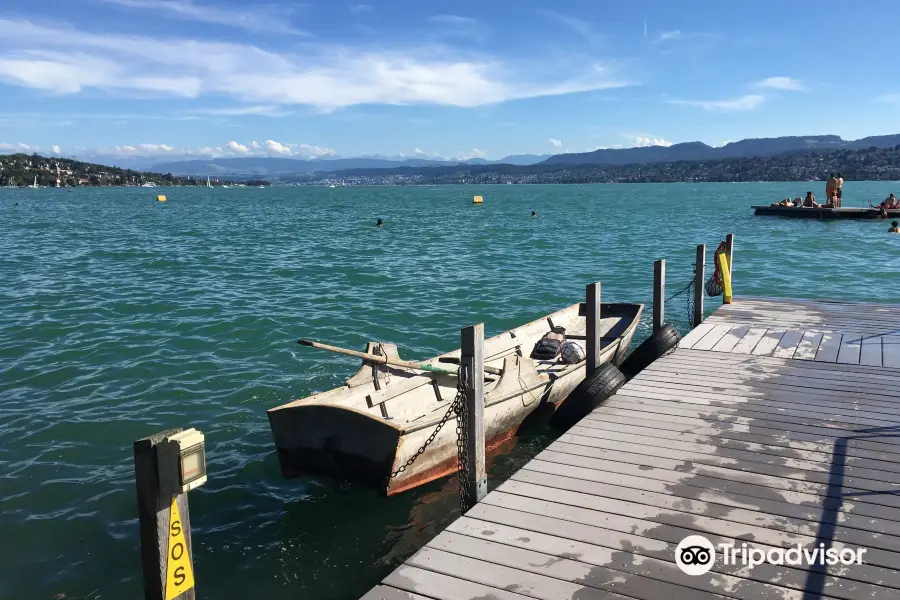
20, 170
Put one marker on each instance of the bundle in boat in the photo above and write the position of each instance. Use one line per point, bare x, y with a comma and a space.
367, 429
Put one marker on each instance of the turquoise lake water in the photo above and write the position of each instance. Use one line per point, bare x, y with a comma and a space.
121, 316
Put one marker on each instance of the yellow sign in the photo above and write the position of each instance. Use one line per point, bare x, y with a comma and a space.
179, 573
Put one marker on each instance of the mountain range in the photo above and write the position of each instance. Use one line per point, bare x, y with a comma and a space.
268, 166
688, 151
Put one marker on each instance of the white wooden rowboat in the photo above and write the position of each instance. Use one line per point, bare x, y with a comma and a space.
365, 430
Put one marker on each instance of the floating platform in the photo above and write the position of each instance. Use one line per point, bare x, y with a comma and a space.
824, 213
775, 422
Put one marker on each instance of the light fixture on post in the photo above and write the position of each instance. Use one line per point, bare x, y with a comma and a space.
181, 460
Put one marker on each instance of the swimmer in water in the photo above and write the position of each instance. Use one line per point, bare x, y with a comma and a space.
533, 214
379, 223
895, 227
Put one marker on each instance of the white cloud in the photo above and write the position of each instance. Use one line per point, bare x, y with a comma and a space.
239, 148
56, 149
260, 18
277, 147
781, 83
724, 143
418, 152
556, 143
643, 142
255, 145
747, 102
324, 77
470, 154
669, 36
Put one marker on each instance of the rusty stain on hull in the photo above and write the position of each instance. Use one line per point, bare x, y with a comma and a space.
447, 467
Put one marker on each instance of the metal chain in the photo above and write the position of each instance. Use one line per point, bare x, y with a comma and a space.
462, 438
690, 300
453, 409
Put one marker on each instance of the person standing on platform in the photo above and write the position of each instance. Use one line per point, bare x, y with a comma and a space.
829, 187
839, 190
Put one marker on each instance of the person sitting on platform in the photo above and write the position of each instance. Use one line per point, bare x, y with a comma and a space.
798, 202
895, 227
888, 203
810, 201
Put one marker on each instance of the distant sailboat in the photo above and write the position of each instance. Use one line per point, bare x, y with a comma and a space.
208, 184
35, 185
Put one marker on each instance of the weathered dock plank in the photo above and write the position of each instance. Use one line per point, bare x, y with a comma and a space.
773, 423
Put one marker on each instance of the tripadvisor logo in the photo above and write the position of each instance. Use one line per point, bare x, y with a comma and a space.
696, 555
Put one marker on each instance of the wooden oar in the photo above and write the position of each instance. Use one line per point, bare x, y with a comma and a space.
377, 358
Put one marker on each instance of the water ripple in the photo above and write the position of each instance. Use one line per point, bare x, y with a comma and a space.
120, 317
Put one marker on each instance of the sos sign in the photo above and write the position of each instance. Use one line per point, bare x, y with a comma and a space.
179, 572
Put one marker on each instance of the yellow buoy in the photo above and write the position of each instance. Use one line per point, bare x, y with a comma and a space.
160, 198
477, 200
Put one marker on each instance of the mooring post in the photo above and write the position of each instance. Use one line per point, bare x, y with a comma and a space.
592, 339
166, 466
659, 293
729, 252
472, 359
699, 280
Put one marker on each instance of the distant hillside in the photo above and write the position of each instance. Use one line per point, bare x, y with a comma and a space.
862, 164
690, 151
274, 167
698, 151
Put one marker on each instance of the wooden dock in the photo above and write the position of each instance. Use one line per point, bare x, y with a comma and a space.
774, 423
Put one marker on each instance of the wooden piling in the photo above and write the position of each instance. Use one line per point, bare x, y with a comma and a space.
166, 549
472, 359
659, 293
699, 281
592, 315
729, 252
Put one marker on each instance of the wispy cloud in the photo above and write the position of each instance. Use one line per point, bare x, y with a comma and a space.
743, 103
452, 20
263, 19
266, 110
556, 143
669, 36
579, 26
359, 8
781, 83
65, 60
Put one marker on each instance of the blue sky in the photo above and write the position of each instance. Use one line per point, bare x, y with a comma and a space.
181, 78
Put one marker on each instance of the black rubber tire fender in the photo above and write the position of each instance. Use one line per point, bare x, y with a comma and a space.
588, 395
655, 346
